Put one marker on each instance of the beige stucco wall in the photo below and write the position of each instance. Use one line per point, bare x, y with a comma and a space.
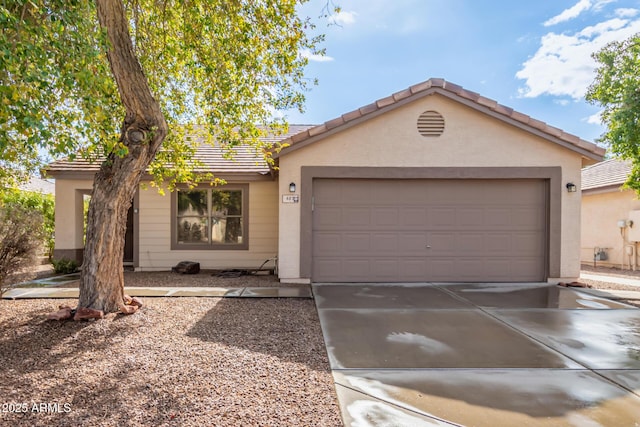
69, 214
154, 228
600, 216
471, 139
154, 222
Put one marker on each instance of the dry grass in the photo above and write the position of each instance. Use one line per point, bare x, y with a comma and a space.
181, 361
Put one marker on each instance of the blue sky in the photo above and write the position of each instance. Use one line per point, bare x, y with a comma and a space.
533, 56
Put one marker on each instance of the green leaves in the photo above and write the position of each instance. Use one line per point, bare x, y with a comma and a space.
223, 67
55, 84
617, 89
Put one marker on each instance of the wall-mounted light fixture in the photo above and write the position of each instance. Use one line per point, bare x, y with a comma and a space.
571, 187
292, 187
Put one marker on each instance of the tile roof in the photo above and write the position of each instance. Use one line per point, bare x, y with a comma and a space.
245, 159
610, 173
455, 92
38, 185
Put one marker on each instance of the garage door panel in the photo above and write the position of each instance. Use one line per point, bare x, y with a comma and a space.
359, 217
532, 218
355, 195
498, 243
384, 242
384, 216
469, 243
331, 268
499, 217
468, 268
440, 269
498, 269
442, 243
413, 269
526, 268
411, 244
357, 242
470, 217
328, 243
327, 217
526, 244
386, 269
477, 230
356, 269
442, 217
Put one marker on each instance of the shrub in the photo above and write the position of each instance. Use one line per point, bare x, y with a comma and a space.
34, 201
21, 235
64, 265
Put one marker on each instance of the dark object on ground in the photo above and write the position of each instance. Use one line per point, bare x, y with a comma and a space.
235, 272
187, 267
574, 285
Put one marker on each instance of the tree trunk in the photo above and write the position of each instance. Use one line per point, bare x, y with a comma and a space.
144, 128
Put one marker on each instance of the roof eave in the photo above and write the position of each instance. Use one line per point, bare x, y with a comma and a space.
611, 188
227, 176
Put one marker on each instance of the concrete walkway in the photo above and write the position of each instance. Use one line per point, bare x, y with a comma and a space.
480, 355
303, 291
46, 288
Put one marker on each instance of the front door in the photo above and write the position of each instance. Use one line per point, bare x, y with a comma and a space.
128, 239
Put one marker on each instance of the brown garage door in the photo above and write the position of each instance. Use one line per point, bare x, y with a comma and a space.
367, 230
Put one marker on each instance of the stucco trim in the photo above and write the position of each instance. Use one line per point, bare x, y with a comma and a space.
553, 176
615, 188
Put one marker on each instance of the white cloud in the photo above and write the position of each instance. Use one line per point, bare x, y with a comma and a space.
315, 57
569, 14
563, 65
563, 102
626, 13
343, 18
600, 4
595, 119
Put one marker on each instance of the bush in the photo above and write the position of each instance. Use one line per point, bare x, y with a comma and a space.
21, 235
38, 202
64, 265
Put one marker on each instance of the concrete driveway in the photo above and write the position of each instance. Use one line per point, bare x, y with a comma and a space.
481, 355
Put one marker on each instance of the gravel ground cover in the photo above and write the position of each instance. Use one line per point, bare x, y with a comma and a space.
206, 278
613, 272
177, 362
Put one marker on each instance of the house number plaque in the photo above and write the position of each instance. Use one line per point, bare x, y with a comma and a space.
290, 198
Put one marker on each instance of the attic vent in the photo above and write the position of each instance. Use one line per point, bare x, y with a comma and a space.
430, 123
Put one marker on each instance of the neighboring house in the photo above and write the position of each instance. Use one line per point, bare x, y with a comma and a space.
433, 183
38, 185
610, 216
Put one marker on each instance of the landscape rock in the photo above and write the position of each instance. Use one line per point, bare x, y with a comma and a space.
128, 309
83, 313
64, 313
